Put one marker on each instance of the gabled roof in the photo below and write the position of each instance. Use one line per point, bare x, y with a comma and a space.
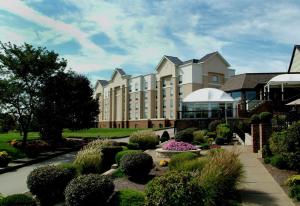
292, 58
208, 56
175, 60
247, 81
118, 70
102, 82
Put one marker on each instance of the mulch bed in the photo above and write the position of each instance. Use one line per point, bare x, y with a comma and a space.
280, 176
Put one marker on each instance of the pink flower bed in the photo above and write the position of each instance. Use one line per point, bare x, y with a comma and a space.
178, 146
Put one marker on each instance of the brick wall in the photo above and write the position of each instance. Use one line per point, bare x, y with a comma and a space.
265, 132
256, 137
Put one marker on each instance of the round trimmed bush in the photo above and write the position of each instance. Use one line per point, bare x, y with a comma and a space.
174, 189
48, 183
265, 117
92, 189
220, 141
213, 125
165, 136
184, 135
18, 200
278, 161
125, 152
136, 165
200, 136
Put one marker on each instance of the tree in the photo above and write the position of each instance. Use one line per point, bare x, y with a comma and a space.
24, 70
67, 103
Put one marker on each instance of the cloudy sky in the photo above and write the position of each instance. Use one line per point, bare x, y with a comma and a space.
97, 36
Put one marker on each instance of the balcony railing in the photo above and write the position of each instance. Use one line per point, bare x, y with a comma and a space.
215, 113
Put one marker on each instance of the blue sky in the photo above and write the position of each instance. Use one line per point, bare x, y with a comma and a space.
97, 36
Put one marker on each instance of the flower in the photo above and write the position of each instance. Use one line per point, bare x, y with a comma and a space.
178, 146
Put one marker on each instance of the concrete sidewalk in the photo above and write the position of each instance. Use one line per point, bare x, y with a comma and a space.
258, 186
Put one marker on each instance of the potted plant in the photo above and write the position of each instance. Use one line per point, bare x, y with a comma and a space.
4, 159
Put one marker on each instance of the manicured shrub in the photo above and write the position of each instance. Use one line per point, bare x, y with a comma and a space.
72, 168
133, 146
293, 183
291, 146
177, 159
254, 119
266, 151
145, 139
90, 158
213, 125
136, 165
92, 189
265, 117
205, 146
4, 159
129, 197
220, 176
220, 141
278, 161
267, 160
18, 200
184, 135
174, 189
200, 136
125, 152
165, 136
178, 146
109, 155
224, 131
48, 183
276, 142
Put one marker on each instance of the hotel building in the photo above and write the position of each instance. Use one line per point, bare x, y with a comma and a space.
153, 100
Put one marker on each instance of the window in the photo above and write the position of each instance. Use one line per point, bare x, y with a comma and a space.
180, 79
171, 83
145, 85
136, 86
171, 103
164, 92
164, 83
164, 103
180, 90
164, 114
215, 78
171, 114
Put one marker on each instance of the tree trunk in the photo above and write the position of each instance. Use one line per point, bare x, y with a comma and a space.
25, 135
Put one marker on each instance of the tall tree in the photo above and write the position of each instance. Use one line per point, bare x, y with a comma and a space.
67, 103
24, 70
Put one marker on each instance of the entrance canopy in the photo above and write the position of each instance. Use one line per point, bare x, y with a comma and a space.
285, 79
294, 103
208, 95
208, 103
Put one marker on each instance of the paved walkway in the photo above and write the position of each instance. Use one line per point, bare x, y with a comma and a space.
259, 187
15, 181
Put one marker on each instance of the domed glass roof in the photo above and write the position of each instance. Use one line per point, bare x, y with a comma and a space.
208, 95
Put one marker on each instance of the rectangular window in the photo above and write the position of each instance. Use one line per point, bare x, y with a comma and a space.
164, 114
164, 92
180, 79
164, 103
180, 90
171, 91
171, 103
215, 78
136, 86
171, 114
164, 84
145, 85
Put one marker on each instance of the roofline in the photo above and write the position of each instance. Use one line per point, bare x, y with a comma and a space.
292, 58
217, 53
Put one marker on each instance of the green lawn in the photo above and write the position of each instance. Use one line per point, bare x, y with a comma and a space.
88, 133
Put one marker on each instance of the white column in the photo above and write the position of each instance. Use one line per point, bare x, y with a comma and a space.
282, 92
